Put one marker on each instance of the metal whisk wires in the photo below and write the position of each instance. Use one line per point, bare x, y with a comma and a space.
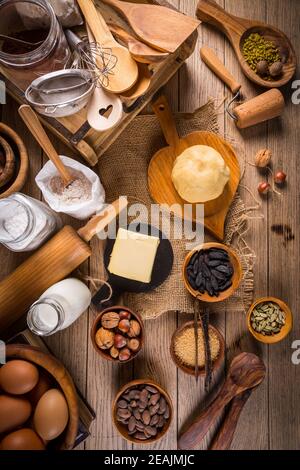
91, 56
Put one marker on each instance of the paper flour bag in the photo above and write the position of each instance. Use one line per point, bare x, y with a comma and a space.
81, 199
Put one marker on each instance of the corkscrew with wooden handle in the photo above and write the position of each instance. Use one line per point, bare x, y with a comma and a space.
213, 62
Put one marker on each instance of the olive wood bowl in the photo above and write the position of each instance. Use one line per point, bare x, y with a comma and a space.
236, 278
56, 369
191, 370
8, 166
122, 429
285, 330
97, 324
17, 181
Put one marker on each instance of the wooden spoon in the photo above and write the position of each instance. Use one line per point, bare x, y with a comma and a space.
224, 438
160, 27
246, 371
140, 52
125, 73
32, 122
238, 29
9, 163
141, 85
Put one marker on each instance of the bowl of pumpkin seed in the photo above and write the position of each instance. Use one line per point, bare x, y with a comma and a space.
269, 320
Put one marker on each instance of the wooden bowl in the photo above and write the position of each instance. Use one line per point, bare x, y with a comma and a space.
17, 181
8, 164
284, 330
236, 278
273, 34
33, 354
191, 370
122, 427
97, 324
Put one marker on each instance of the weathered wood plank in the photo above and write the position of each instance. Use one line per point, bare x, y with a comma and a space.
283, 265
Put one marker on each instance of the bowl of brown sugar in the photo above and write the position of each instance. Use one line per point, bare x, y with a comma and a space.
183, 348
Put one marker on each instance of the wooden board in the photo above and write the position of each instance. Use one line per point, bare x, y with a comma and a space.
75, 132
271, 417
161, 165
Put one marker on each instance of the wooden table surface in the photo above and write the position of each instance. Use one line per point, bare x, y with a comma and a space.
271, 419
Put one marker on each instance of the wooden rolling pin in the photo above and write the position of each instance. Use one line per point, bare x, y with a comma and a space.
59, 257
263, 107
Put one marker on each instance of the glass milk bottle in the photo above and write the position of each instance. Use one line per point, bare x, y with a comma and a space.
59, 307
26, 223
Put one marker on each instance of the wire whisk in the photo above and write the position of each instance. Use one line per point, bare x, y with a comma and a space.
91, 56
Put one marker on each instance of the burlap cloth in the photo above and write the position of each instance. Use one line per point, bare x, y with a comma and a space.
123, 171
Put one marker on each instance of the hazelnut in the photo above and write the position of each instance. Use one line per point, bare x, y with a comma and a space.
124, 315
263, 158
276, 69
124, 354
262, 68
114, 352
135, 329
124, 325
120, 341
110, 320
104, 338
133, 344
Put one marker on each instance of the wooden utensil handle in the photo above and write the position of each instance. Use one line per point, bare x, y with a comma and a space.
200, 427
213, 62
212, 13
32, 121
163, 112
100, 221
94, 19
225, 435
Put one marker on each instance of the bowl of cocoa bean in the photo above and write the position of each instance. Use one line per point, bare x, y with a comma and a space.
118, 334
212, 272
142, 411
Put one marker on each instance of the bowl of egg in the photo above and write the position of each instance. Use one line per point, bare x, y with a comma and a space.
38, 401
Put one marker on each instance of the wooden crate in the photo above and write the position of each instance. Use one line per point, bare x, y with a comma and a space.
75, 130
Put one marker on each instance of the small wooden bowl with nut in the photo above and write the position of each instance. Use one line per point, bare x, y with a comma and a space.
118, 334
142, 411
276, 325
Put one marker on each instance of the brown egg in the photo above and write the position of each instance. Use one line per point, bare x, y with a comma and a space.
14, 411
23, 439
18, 377
51, 415
45, 383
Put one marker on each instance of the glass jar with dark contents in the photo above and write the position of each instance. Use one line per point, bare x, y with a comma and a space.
40, 46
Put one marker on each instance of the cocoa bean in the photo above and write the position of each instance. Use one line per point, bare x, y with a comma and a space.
161, 422
167, 413
146, 417
162, 406
131, 424
151, 431
154, 399
154, 409
122, 404
137, 414
154, 420
134, 394
123, 413
140, 436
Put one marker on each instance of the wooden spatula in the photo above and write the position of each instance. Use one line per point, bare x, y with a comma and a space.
140, 52
160, 27
246, 371
161, 165
238, 29
32, 122
125, 73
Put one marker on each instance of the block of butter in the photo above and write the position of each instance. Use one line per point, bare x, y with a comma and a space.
133, 255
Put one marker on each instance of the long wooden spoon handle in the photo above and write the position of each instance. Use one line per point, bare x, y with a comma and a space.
213, 62
224, 438
163, 112
212, 13
32, 122
101, 220
120, 33
95, 21
200, 427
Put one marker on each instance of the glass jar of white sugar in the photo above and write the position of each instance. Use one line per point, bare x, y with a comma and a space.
59, 307
26, 223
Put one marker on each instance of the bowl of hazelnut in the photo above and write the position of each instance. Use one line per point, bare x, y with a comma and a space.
118, 334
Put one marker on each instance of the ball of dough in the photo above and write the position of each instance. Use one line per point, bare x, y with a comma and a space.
200, 174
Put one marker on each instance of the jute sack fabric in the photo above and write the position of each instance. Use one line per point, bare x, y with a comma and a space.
123, 172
